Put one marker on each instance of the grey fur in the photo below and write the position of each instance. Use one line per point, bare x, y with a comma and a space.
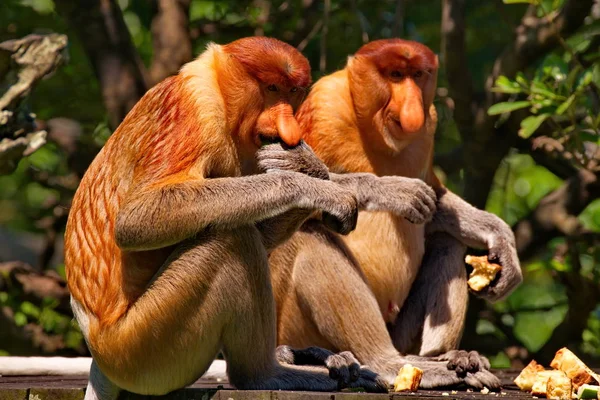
480, 229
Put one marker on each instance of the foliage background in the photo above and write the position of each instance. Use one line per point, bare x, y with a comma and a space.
532, 158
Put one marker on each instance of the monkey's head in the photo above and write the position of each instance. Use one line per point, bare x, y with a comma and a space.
393, 84
274, 83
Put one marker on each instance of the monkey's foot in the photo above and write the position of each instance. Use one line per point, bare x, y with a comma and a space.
343, 367
443, 377
463, 362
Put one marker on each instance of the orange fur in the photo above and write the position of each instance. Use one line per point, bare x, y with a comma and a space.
345, 121
196, 124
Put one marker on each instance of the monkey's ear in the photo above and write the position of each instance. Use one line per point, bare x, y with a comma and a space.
437, 61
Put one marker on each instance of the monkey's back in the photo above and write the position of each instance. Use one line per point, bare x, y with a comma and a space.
159, 138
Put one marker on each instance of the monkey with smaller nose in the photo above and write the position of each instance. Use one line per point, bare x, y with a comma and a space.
397, 284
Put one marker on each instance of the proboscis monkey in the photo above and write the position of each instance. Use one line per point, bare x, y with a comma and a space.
371, 122
167, 238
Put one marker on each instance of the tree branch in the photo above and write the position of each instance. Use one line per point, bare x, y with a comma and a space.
454, 56
23, 63
556, 214
171, 41
102, 31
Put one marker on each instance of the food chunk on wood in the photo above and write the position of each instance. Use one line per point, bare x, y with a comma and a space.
559, 388
540, 385
527, 377
408, 379
573, 367
483, 272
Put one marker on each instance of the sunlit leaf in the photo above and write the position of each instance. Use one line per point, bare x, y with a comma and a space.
565, 106
505, 85
501, 108
530, 124
20, 319
539, 88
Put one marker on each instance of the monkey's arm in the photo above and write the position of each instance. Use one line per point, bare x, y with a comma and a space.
410, 198
480, 229
169, 212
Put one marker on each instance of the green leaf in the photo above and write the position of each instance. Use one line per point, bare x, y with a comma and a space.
539, 88
530, 124
505, 85
501, 108
20, 319
565, 106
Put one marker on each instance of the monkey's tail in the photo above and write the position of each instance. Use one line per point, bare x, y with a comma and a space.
77, 366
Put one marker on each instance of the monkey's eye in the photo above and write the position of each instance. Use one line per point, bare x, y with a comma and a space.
294, 90
272, 88
418, 74
396, 74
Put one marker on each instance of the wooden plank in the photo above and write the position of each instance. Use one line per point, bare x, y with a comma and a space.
72, 388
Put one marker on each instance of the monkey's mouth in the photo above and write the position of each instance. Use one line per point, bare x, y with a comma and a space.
395, 122
268, 139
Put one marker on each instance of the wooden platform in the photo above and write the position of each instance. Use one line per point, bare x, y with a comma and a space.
72, 388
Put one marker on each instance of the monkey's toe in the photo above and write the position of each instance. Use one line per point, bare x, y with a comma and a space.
462, 361
343, 367
370, 381
483, 378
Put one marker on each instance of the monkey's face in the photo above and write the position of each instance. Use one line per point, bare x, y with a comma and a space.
277, 121
403, 78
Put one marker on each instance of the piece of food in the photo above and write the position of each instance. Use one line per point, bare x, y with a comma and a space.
408, 378
526, 378
483, 272
559, 388
588, 392
540, 384
575, 369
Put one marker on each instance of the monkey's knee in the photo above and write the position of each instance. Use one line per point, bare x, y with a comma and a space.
99, 386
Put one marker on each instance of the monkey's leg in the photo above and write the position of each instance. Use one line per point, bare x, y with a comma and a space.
331, 305
342, 366
432, 318
213, 292
249, 337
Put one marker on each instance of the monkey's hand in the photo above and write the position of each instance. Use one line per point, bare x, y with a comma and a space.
339, 205
463, 361
278, 156
410, 198
437, 372
343, 367
480, 229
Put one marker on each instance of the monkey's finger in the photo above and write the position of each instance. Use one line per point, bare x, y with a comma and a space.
426, 209
338, 369
370, 381
271, 164
352, 363
343, 226
437, 377
477, 362
483, 378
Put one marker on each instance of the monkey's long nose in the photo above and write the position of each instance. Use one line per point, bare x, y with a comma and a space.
287, 126
412, 115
